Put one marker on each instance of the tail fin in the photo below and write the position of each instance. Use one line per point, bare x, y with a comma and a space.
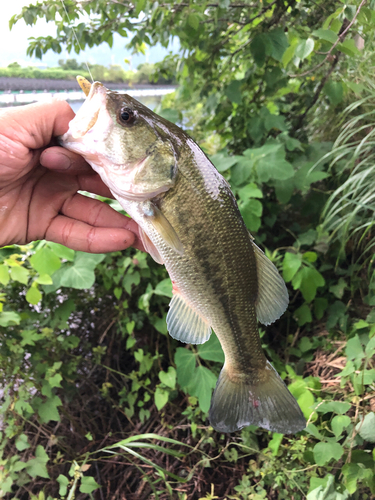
267, 403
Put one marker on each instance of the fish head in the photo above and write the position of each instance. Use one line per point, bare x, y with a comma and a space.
125, 142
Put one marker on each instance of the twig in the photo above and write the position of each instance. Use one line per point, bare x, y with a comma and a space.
339, 40
318, 90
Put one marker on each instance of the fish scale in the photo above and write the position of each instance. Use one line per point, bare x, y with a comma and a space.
189, 220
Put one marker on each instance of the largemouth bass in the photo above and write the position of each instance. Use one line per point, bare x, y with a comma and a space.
190, 222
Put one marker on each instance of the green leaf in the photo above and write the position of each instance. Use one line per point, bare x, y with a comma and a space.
37, 466
349, 48
29, 337
279, 43
334, 91
324, 489
45, 261
164, 288
233, 91
168, 378
79, 274
354, 349
308, 280
289, 54
193, 21
339, 423
270, 162
62, 251
44, 279
325, 452
211, 350
275, 443
88, 484
274, 167
304, 48
8, 318
291, 263
339, 407
251, 212
19, 273
284, 191
370, 347
250, 191
161, 397
303, 315
223, 163
320, 306
260, 47
339, 288
63, 482
305, 401
201, 386
22, 443
275, 122
55, 380
48, 410
185, 361
366, 428
33, 295
353, 473
327, 35
131, 279
4, 274
172, 115
305, 344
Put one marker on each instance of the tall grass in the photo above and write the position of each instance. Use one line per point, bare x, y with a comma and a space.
349, 212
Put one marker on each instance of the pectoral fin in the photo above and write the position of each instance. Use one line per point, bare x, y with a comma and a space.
273, 295
185, 324
162, 226
150, 247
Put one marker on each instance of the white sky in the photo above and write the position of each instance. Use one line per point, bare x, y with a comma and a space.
14, 43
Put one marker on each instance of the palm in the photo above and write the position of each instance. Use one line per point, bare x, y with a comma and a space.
43, 203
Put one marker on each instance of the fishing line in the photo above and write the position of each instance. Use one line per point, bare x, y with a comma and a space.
75, 36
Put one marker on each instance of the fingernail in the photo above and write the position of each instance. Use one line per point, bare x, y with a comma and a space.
58, 161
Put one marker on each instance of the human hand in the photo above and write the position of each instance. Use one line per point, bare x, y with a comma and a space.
38, 186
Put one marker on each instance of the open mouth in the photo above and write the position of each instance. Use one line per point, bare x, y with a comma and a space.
88, 115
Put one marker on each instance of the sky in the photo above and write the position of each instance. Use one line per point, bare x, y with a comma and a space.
14, 43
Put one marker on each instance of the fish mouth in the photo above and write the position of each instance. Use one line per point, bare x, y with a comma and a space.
87, 116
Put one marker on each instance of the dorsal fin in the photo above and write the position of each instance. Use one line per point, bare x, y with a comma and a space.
273, 297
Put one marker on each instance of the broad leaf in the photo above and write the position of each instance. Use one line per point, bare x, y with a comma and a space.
185, 361
45, 261
211, 350
37, 466
325, 452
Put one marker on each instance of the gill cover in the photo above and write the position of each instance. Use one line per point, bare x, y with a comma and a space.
122, 141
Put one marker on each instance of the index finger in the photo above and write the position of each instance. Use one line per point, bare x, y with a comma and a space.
35, 124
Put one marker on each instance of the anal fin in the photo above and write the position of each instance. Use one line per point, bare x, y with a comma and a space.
185, 324
273, 297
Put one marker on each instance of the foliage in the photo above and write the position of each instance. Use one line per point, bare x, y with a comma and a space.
348, 215
68, 70
95, 383
49, 73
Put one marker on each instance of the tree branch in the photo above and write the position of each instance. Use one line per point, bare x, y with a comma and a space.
340, 39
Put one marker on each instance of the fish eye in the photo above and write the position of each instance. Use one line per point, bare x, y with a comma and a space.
126, 116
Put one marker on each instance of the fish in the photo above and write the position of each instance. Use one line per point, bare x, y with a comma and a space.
189, 221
